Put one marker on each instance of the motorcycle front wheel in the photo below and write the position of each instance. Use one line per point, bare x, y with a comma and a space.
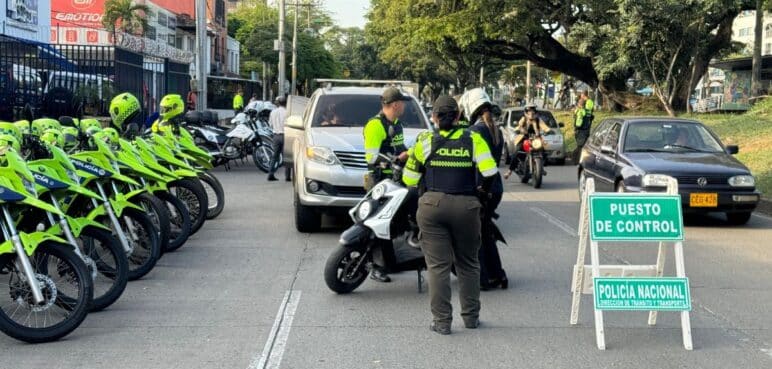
67, 291
143, 239
107, 264
179, 221
214, 194
193, 195
262, 154
345, 269
538, 171
159, 214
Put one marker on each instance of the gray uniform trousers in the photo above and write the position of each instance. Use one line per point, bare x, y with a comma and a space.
450, 235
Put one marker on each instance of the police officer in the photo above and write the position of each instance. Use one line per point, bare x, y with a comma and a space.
582, 122
238, 101
449, 210
383, 135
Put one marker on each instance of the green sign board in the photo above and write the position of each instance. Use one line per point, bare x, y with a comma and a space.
635, 217
667, 294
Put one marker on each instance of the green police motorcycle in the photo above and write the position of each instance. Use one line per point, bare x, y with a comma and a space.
45, 287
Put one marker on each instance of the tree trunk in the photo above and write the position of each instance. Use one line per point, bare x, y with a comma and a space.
757, 35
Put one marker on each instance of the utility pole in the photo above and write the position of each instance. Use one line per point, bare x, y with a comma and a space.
201, 53
756, 61
295, 49
282, 54
265, 80
528, 81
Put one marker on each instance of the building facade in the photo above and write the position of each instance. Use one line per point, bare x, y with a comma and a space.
26, 19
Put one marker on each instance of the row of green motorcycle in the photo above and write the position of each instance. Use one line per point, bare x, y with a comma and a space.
84, 211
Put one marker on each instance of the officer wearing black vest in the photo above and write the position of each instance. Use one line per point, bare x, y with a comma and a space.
449, 210
383, 135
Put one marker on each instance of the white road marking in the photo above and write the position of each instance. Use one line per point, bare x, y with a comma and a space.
762, 216
273, 352
768, 352
557, 222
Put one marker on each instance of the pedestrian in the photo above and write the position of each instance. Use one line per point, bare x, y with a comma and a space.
583, 117
492, 275
449, 210
276, 120
191, 100
253, 98
383, 135
238, 102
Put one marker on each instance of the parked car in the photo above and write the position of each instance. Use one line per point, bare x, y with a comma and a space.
633, 155
555, 144
329, 160
19, 85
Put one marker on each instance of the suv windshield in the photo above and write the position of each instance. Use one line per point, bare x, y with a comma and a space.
356, 110
669, 137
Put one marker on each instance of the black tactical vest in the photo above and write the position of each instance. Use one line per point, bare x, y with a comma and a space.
450, 166
394, 144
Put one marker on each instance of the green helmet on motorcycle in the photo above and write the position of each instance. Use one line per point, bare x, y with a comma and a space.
69, 138
8, 142
39, 126
172, 106
7, 128
85, 124
112, 135
124, 108
53, 137
23, 126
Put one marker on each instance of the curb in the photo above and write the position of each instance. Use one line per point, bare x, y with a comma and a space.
764, 207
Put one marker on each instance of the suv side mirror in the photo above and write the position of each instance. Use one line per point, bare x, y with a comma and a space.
294, 121
732, 149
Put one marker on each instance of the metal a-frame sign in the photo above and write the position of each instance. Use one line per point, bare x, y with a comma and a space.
624, 217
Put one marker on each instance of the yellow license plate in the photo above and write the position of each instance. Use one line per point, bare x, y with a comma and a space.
703, 200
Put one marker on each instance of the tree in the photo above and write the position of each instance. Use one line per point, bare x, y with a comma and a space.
571, 37
125, 16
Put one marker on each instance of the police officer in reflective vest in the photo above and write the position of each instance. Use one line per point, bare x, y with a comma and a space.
449, 211
582, 122
383, 135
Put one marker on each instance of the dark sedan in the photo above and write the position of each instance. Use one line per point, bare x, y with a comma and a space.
634, 154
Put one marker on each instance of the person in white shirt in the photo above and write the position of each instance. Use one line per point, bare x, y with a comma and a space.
276, 120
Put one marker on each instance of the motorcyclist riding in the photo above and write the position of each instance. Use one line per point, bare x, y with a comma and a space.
529, 124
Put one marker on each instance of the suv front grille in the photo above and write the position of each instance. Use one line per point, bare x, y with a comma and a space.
352, 159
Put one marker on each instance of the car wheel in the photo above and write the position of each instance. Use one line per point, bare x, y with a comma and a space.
738, 218
307, 219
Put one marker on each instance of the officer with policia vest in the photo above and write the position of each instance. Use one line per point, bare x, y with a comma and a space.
582, 122
449, 211
383, 135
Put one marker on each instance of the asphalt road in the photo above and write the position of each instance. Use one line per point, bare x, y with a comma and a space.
247, 292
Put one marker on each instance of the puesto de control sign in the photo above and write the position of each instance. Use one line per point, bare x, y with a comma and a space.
638, 217
642, 294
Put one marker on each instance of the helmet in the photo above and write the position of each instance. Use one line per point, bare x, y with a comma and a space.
10, 129
529, 106
23, 126
171, 106
471, 102
8, 141
69, 137
85, 124
68, 121
53, 137
39, 126
123, 109
112, 135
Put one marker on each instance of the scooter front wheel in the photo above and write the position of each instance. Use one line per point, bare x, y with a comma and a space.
345, 269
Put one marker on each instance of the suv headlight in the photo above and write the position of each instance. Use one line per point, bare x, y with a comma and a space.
364, 210
655, 180
321, 155
742, 181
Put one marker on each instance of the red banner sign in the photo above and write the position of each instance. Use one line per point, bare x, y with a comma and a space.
73, 13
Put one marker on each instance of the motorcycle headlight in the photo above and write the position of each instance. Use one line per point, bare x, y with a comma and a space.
29, 186
72, 176
742, 181
321, 155
378, 191
537, 143
364, 210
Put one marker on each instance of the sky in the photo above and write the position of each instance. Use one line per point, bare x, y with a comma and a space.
348, 13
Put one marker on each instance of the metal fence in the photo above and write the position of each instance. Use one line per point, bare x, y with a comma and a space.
94, 74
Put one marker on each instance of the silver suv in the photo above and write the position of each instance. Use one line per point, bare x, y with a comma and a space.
324, 143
